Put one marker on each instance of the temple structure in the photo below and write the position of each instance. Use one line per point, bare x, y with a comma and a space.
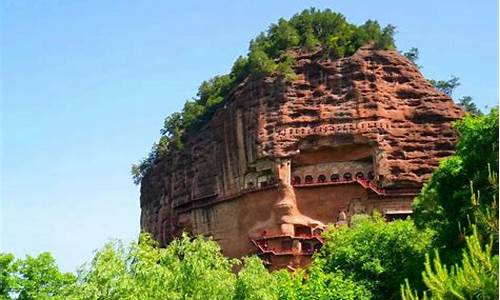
281, 160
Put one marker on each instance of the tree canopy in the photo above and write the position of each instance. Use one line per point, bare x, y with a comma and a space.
32, 278
269, 53
188, 268
446, 86
445, 201
378, 254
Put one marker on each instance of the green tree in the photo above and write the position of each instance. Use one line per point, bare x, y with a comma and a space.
468, 105
378, 254
255, 282
475, 277
320, 284
186, 269
444, 204
310, 41
413, 56
270, 53
7, 277
140, 169
285, 67
240, 69
260, 63
283, 36
33, 278
446, 86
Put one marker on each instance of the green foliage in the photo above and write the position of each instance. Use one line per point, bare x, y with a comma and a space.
483, 216
255, 282
413, 55
445, 202
7, 275
475, 277
139, 169
186, 269
260, 63
32, 278
446, 86
321, 284
271, 52
468, 105
378, 254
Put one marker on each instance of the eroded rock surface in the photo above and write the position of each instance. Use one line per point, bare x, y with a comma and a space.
371, 116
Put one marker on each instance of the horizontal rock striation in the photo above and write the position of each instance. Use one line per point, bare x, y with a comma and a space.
374, 102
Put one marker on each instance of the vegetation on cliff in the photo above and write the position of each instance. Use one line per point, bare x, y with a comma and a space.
269, 53
446, 86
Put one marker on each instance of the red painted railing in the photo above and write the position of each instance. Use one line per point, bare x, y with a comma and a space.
367, 184
261, 243
298, 236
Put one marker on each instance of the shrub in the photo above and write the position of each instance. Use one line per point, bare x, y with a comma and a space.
377, 254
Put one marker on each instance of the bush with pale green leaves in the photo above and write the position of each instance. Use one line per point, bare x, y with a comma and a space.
378, 254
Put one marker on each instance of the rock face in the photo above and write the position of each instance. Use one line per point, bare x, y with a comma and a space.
282, 159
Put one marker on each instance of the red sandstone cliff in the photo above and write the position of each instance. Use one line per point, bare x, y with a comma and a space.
374, 100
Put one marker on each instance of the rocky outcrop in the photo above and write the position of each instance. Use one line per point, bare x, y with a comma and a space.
374, 101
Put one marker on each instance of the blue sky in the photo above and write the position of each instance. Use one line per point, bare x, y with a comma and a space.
86, 86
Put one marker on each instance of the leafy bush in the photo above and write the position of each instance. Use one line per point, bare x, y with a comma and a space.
269, 53
379, 255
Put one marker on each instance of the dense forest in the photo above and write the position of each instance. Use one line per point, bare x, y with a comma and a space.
447, 250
